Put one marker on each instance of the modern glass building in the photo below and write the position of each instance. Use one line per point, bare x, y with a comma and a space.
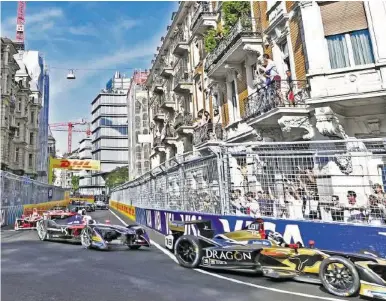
109, 129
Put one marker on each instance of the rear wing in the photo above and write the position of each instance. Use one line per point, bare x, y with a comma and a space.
204, 227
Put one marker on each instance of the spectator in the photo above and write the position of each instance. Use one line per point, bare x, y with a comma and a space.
355, 212
253, 205
379, 193
377, 212
337, 212
290, 94
238, 202
265, 203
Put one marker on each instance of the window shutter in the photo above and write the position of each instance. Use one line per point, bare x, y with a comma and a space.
341, 17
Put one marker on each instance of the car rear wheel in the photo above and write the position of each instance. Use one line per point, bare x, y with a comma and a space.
339, 276
86, 237
42, 230
188, 251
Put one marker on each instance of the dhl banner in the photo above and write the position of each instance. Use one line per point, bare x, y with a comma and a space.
127, 210
42, 207
72, 164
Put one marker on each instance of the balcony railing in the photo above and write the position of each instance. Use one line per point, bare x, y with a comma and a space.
185, 119
182, 75
158, 84
277, 94
208, 132
157, 142
243, 28
203, 9
178, 39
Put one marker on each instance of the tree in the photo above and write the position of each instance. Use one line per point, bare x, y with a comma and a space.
75, 183
117, 177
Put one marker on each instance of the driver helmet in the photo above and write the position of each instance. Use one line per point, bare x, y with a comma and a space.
276, 237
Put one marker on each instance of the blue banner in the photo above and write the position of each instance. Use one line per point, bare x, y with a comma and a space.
329, 236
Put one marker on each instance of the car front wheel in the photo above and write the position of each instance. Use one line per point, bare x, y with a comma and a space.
188, 251
42, 230
339, 276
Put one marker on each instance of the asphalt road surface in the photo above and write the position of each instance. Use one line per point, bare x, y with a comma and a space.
33, 270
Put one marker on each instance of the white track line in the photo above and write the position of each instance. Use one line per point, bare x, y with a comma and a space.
171, 256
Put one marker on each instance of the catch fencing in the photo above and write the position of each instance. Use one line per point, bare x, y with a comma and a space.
332, 180
17, 191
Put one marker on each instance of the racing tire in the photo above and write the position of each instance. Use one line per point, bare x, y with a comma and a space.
348, 274
42, 231
86, 237
134, 247
188, 251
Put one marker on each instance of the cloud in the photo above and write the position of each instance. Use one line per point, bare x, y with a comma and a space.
83, 30
128, 24
36, 23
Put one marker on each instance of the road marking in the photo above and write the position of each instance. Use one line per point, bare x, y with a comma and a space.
171, 256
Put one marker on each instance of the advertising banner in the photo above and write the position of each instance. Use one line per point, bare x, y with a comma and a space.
127, 210
75, 164
329, 236
43, 206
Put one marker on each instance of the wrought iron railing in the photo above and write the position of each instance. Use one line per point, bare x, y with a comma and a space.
243, 27
178, 38
277, 94
155, 110
185, 119
203, 9
208, 132
182, 75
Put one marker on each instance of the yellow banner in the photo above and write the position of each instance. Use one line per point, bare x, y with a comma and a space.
127, 210
76, 164
42, 207
71, 164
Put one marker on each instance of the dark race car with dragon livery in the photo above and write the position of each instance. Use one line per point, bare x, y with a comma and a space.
267, 254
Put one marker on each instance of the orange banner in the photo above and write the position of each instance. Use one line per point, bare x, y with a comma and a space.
76, 164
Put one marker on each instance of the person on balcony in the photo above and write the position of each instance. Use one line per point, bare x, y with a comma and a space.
290, 94
272, 82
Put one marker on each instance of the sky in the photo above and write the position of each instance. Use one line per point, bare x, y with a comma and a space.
88, 35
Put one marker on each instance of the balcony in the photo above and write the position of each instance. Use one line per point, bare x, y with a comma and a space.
166, 101
277, 99
158, 145
158, 85
183, 123
203, 19
170, 134
180, 44
158, 115
208, 132
244, 37
183, 81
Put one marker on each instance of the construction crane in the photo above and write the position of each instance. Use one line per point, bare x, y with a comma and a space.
20, 21
69, 127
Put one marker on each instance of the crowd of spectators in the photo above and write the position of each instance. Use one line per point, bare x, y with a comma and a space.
300, 204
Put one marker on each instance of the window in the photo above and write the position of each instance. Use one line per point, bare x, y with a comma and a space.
285, 56
234, 99
32, 117
17, 132
350, 49
346, 31
17, 150
137, 107
19, 105
30, 160
31, 138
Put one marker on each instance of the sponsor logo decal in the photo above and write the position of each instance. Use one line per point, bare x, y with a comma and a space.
228, 255
260, 242
303, 261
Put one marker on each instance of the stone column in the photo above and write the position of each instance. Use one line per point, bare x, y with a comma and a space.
316, 45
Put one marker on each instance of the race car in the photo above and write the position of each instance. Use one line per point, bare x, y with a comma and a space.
341, 274
90, 207
101, 205
106, 236
61, 225
27, 222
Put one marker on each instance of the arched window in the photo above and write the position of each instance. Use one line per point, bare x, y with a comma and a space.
137, 122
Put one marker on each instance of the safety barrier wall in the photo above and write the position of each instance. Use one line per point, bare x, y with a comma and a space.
327, 236
330, 236
20, 194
